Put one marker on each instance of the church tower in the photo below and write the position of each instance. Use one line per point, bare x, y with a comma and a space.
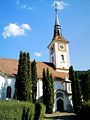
59, 51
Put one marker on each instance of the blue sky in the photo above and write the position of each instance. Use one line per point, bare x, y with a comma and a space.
28, 25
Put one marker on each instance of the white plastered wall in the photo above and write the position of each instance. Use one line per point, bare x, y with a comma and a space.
58, 63
6, 81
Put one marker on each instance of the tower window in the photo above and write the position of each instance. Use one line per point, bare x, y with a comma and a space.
62, 58
52, 59
8, 95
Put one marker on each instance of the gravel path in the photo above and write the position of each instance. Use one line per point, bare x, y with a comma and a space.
60, 116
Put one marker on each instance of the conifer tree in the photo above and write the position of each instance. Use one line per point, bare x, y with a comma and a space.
48, 91
22, 85
51, 103
34, 80
73, 86
18, 86
29, 76
24, 80
44, 86
76, 92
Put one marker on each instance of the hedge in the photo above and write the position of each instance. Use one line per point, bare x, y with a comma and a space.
14, 110
39, 111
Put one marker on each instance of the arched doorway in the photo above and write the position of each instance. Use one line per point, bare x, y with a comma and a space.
8, 95
60, 105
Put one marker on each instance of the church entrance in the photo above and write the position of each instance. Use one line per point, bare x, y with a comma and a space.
8, 95
60, 105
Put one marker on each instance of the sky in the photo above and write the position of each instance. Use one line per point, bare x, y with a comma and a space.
28, 25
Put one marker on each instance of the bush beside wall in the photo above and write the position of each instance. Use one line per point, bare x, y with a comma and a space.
39, 111
14, 110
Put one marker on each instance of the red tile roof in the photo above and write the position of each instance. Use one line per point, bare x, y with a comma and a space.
10, 67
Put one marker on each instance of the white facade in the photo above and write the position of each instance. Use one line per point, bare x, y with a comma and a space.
61, 91
60, 57
39, 89
5, 83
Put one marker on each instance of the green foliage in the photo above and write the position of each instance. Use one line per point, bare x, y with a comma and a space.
14, 110
73, 86
29, 76
28, 113
34, 80
48, 91
23, 80
84, 76
39, 111
44, 86
76, 90
84, 111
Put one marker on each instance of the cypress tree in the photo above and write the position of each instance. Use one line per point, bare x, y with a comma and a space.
18, 86
78, 88
24, 80
22, 85
76, 91
51, 103
73, 86
29, 76
34, 80
48, 91
44, 86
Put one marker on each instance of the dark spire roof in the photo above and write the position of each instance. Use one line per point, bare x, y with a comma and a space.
57, 27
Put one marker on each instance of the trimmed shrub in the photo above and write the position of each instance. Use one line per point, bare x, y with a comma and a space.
14, 110
28, 113
39, 111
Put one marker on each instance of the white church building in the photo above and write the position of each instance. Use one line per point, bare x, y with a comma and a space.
59, 67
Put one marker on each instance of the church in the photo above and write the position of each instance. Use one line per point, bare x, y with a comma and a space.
59, 67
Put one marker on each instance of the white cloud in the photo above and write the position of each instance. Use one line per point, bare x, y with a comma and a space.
38, 54
23, 4
59, 5
15, 30
26, 26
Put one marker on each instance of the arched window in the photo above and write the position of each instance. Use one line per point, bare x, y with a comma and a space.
62, 58
52, 59
8, 95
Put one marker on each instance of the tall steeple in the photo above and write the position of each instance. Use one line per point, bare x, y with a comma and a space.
57, 27
59, 51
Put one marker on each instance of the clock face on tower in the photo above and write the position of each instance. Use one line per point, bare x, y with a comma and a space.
61, 46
